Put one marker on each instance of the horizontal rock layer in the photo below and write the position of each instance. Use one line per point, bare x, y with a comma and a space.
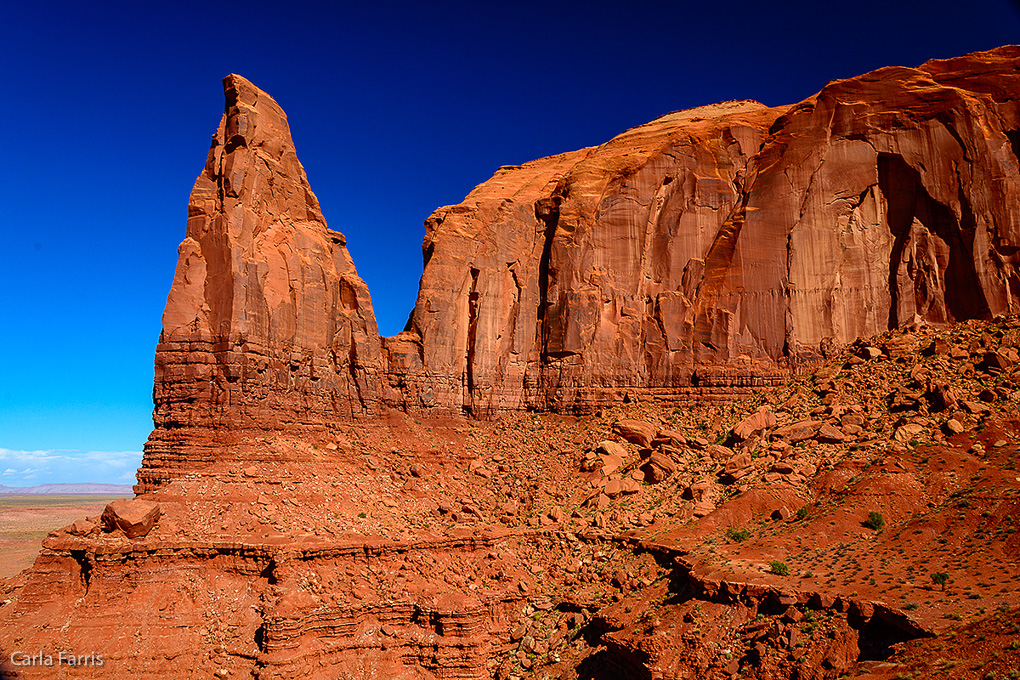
528, 546
269, 611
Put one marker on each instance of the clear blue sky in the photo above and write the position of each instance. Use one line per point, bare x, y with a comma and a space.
107, 110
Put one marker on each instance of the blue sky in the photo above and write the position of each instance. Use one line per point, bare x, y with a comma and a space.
396, 109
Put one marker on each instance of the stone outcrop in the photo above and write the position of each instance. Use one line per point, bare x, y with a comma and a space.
529, 547
246, 610
703, 255
134, 517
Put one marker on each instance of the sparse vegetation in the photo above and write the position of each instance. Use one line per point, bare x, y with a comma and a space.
779, 568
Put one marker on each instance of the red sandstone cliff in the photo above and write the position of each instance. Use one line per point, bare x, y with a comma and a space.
721, 246
701, 254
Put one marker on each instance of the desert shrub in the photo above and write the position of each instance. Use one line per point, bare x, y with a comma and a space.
779, 568
875, 521
738, 535
940, 578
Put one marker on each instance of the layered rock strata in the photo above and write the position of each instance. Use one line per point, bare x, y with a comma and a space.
528, 546
255, 609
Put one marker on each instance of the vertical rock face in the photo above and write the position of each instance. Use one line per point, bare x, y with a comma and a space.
268, 324
567, 281
722, 247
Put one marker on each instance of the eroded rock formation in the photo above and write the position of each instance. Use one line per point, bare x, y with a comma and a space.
723, 246
321, 516
707, 252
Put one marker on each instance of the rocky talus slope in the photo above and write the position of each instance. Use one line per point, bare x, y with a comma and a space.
642, 541
734, 394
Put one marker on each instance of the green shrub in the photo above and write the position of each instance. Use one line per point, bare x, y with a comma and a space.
940, 578
875, 521
779, 568
738, 535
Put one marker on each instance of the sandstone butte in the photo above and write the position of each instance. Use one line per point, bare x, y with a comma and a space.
327, 510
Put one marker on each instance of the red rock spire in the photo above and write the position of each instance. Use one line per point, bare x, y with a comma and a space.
267, 324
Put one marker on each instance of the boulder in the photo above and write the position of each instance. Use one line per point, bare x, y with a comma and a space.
700, 490
999, 360
719, 452
658, 467
669, 438
611, 456
612, 448
760, 420
81, 527
941, 396
975, 407
134, 517
829, 434
953, 426
629, 485
868, 352
638, 432
907, 432
798, 432
613, 487
738, 465
939, 347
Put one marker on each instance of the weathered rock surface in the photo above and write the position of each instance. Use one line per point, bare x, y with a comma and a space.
638, 432
381, 552
703, 254
710, 252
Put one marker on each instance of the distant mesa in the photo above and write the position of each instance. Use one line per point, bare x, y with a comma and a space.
68, 489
